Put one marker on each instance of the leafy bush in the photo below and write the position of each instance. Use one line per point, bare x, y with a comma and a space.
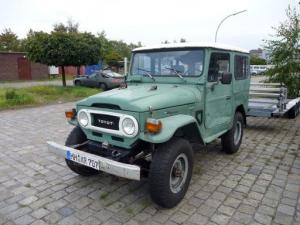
285, 53
14, 98
10, 94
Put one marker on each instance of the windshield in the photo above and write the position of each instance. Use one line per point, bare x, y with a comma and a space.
168, 63
110, 73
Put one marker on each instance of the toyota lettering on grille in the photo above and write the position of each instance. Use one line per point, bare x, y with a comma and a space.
111, 123
105, 121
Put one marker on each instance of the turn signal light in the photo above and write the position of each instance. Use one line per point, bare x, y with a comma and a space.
70, 114
153, 126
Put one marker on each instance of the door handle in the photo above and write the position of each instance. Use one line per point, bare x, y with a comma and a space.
228, 97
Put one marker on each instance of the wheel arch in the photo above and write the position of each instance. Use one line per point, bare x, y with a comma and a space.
241, 109
177, 125
189, 132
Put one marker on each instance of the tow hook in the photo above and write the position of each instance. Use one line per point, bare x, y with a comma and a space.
115, 154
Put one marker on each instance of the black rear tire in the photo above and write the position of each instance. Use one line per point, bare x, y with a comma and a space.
103, 86
77, 83
232, 139
293, 113
77, 137
164, 173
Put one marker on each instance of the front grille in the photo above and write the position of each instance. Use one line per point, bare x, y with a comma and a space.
105, 121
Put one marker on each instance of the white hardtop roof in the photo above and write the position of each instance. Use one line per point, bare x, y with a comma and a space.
193, 44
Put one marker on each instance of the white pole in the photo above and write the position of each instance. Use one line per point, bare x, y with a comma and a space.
233, 14
125, 66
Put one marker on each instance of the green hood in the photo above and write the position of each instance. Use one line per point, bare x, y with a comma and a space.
139, 97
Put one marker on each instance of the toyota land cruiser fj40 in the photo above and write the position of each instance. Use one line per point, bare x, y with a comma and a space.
175, 95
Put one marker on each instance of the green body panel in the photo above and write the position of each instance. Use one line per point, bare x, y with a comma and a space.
175, 102
139, 96
170, 126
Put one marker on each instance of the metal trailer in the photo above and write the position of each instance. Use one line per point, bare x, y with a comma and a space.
270, 100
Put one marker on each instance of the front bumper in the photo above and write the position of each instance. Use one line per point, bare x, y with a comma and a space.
128, 171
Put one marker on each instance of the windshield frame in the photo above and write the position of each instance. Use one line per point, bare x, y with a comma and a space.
168, 50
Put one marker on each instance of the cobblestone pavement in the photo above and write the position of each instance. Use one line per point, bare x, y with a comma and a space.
22, 84
258, 185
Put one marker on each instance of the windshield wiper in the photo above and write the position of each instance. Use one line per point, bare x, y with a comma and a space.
147, 73
178, 73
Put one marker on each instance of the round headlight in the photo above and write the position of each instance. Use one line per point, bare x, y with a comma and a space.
83, 118
128, 126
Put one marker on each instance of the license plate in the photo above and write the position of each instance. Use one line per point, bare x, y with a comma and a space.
83, 159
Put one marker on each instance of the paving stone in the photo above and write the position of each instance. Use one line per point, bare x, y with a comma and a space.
198, 219
52, 218
28, 201
286, 209
232, 202
39, 222
263, 219
220, 219
65, 211
71, 220
259, 183
267, 210
248, 209
242, 217
24, 220
226, 210
40, 213
179, 217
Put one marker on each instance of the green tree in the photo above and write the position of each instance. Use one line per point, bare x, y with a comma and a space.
113, 59
254, 60
9, 41
285, 54
70, 27
63, 49
112, 50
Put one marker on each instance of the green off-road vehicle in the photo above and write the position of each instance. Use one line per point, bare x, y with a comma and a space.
175, 95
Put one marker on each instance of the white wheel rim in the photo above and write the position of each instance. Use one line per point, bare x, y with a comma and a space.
178, 173
237, 132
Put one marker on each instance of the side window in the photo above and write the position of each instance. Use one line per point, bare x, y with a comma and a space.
241, 67
219, 63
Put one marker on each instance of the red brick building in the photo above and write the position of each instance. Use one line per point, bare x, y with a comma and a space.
15, 66
72, 70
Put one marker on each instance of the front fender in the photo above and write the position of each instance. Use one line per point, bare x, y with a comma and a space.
169, 126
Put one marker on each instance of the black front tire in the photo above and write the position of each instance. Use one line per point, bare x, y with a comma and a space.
77, 137
161, 176
232, 139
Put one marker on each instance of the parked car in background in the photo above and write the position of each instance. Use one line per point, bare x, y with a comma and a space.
104, 79
259, 69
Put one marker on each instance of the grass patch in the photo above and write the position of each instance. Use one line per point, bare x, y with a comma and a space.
104, 195
40, 95
129, 210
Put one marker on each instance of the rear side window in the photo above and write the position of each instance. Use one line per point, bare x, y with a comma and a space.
241, 67
219, 63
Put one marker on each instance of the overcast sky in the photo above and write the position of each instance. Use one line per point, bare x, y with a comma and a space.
152, 21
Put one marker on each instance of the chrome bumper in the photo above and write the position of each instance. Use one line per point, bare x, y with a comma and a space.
106, 165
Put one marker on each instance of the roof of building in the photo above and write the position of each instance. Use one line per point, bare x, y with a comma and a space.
193, 44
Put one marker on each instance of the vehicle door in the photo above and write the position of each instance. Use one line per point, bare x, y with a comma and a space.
91, 80
218, 100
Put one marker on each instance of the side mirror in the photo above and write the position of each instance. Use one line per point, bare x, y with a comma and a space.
226, 78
